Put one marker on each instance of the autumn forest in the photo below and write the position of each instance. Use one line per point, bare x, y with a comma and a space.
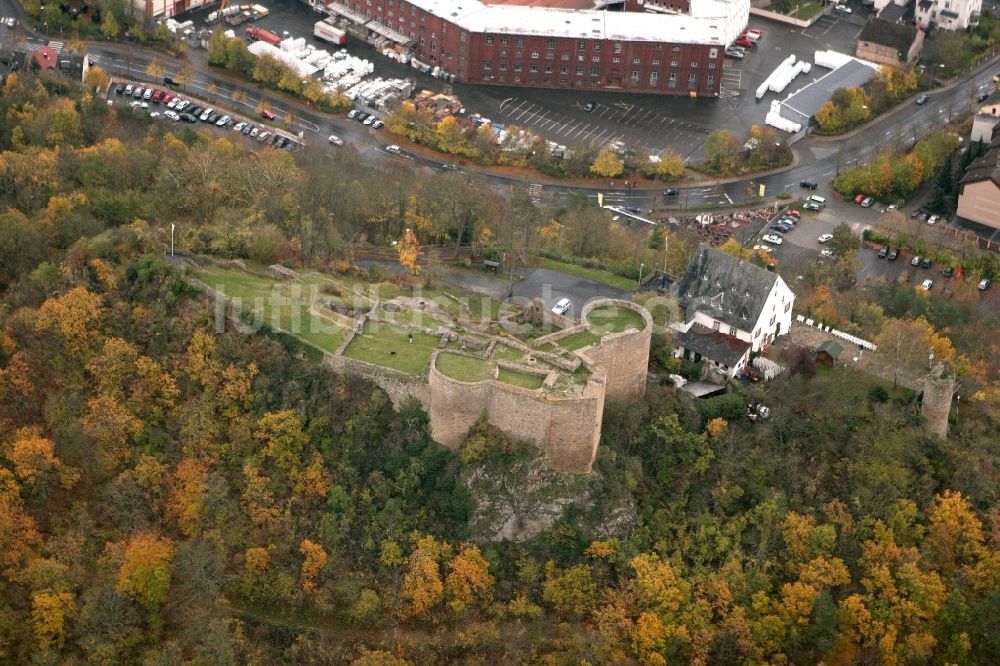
176, 493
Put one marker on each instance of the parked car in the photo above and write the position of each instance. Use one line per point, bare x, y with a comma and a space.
808, 184
148, 95
926, 285
562, 306
774, 239
922, 100
188, 118
282, 142
983, 96
884, 252
925, 262
915, 261
983, 284
589, 106
222, 121
369, 120
948, 271
793, 213
378, 124
119, 89
182, 105
394, 149
867, 203
736, 53
336, 140
825, 238
843, 9
932, 220
859, 198
167, 98
157, 96
137, 93
893, 254
915, 214
763, 248
361, 117
755, 34
239, 127
206, 114
262, 137
247, 129
254, 132
352, 114
744, 41
173, 115
811, 207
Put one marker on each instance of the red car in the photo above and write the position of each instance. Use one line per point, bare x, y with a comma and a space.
157, 97
858, 199
266, 115
166, 98
793, 213
745, 42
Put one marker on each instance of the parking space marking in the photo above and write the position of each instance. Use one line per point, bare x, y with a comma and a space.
526, 110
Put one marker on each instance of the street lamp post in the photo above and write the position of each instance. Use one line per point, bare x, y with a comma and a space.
641, 266
171, 240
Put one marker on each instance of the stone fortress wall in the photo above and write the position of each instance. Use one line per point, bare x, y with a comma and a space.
566, 426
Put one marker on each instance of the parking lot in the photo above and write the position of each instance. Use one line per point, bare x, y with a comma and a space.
647, 123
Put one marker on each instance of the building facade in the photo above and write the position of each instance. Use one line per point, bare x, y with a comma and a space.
892, 44
511, 43
979, 189
948, 14
731, 307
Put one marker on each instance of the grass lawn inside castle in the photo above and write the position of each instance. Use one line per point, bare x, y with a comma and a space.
404, 331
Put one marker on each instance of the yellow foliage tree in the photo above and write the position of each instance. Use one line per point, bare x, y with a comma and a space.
32, 455
657, 587
312, 565
649, 638
50, 612
607, 164
409, 250
283, 438
422, 585
74, 316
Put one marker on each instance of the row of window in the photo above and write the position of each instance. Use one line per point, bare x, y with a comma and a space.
654, 79
581, 46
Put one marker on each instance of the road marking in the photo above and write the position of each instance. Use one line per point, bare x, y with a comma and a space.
728, 198
506, 101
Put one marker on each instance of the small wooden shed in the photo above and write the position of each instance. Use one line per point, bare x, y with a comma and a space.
828, 352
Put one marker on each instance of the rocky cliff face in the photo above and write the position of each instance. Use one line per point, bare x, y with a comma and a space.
517, 502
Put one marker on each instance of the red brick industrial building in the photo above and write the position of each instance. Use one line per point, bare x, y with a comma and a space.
662, 46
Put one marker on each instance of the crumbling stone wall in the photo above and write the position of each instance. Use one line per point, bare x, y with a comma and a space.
623, 356
397, 385
566, 429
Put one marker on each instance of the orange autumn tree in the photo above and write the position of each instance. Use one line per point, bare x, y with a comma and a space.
186, 497
74, 316
468, 579
408, 250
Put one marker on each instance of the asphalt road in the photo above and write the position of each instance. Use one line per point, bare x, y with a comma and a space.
820, 158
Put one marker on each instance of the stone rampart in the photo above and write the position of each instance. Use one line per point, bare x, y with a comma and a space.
398, 385
623, 356
566, 429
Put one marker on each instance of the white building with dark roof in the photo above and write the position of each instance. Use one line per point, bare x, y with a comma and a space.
948, 14
731, 307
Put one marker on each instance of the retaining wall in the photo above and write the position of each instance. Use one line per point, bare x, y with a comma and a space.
398, 385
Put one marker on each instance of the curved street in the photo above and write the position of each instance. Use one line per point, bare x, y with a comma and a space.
817, 158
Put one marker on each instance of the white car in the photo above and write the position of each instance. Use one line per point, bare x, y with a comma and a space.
827, 253
154, 114
774, 239
183, 104
843, 9
926, 285
377, 124
173, 115
222, 121
238, 127
825, 238
762, 248
394, 149
206, 113
12, 23
336, 140
562, 306
932, 220
172, 104
369, 120
352, 114
128, 89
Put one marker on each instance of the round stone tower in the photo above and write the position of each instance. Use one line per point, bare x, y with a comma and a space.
939, 386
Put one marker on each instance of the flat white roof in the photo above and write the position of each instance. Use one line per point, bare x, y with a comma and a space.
706, 24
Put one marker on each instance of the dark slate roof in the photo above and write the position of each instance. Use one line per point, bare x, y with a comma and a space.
894, 13
802, 105
831, 347
729, 289
896, 36
986, 167
719, 347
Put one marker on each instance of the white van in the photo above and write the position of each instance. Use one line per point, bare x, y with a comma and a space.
818, 200
562, 307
